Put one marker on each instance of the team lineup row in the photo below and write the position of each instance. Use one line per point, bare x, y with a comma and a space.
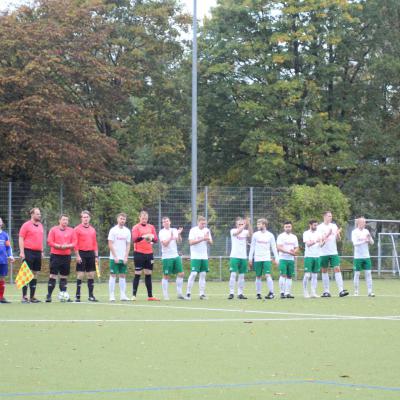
320, 242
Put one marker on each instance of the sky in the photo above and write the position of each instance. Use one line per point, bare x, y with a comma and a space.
203, 6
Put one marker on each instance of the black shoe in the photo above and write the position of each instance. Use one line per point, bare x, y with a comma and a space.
259, 297
4, 301
203, 297
283, 296
289, 296
269, 296
343, 293
48, 299
34, 300
326, 294
231, 296
242, 297
92, 298
77, 299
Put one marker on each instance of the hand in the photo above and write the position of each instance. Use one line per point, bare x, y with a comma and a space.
78, 259
250, 265
126, 260
12, 259
116, 260
22, 255
275, 262
180, 229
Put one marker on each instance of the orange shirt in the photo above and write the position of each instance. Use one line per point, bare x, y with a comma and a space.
32, 235
86, 238
140, 245
61, 236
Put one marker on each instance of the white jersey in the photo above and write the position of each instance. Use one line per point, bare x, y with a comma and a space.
120, 238
315, 249
170, 251
199, 251
289, 243
360, 237
239, 243
329, 232
261, 245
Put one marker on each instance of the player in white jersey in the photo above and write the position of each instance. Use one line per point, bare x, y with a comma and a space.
238, 257
288, 245
260, 251
199, 239
312, 245
119, 243
171, 261
361, 239
330, 233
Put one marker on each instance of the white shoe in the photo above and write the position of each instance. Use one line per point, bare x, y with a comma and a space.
371, 294
133, 298
112, 298
315, 295
356, 293
124, 298
306, 295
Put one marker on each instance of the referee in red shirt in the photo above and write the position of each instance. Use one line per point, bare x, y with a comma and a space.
143, 237
61, 239
30, 250
87, 255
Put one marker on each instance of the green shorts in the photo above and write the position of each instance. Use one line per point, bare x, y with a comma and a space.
362, 264
286, 267
197, 265
238, 265
172, 265
118, 268
330, 261
262, 267
312, 264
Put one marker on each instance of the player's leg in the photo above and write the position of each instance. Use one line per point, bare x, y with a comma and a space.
178, 269
202, 279
139, 265
34, 260
233, 268
367, 266
314, 277
123, 269
51, 284
80, 274
112, 280
307, 275
270, 282
242, 271
195, 269
335, 263
288, 282
324, 261
90, 273
258, 268
282, 278
357, 272
167, 264
3, 275
64, 270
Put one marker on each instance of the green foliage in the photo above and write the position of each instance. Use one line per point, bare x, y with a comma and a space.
305, 203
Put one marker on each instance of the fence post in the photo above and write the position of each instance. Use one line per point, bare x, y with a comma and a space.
220, 268
251, 207
61, 198
10, 224
206, 203
379, 255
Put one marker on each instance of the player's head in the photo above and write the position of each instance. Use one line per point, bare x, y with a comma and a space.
327, 215
262, 224
35, 214
201, 222
287, 226
121, 219
239, 222
313, 224
85, 217
63, 220
166, 223
361, 222
143, 217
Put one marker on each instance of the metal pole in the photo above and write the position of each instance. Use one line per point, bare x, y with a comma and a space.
251, 207
10, 225
194, 116
379, 255
206, 203
159, 220
61, 198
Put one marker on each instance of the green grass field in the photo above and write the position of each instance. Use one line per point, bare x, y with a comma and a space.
216, 349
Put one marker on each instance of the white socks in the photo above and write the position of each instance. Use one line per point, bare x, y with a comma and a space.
179, 285
325, 281
111, 286
191, 280
270, 284
258, 285
232, 283
339, 280
164, 285
240, 284
122, 287
288, 285
356, 282
368, 279
306, 278
282, 284
202, 283
314, 283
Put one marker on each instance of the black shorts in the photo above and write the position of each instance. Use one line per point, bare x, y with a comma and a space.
60, 264
88, 263
33, 259
143, 261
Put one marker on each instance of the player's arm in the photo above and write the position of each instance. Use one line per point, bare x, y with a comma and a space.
51, 240
9, 251
193, 241
136, 236
96, 246
274, 250
249, 227
356, 239
237, 231
112, 250
251, 251
208, 237
127, 250
179, 238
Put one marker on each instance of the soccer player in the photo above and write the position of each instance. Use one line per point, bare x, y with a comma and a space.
361, 239
119, 243
312, 242
5, 254
87, 255
171, 261
330, 233
238, 257
61, 239
262, 242
199, 238
288, 246
143, 237
30, 250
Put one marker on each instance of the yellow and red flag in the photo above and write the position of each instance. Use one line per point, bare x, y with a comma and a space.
24, 275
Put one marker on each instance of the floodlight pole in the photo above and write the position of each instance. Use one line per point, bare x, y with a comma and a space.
194, 116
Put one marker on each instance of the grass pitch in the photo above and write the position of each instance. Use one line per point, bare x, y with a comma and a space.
338, 348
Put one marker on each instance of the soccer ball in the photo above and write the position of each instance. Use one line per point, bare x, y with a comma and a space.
63, 297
